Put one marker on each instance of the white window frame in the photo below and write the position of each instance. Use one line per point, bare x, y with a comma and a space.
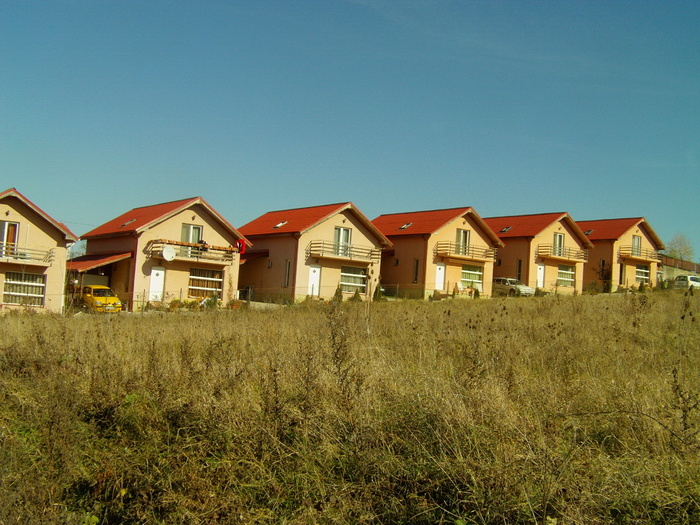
636, 246
462, 241
20, 289
469, 272
353, 278
566, 275
188, 235
642, 274
558, 246
342, 240
200, 291
8, 248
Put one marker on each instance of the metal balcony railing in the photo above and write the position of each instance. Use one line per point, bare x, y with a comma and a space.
464, 251
12, 252
342, 251
562, 252
187, 250
634, 252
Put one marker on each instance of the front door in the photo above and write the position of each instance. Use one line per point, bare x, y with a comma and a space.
314, 280
540, 276
440, 276
157, 284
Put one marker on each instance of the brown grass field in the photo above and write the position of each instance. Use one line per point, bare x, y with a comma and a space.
553, 410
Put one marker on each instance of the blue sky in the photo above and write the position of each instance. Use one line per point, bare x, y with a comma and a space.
590, 107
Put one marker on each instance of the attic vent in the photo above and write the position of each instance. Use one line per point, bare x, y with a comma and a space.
588, 232
504, 230
127, 223
405, 226
279, 225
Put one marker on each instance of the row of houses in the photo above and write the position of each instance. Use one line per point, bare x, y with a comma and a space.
186, 250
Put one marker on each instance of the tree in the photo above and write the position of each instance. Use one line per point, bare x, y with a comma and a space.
680, 248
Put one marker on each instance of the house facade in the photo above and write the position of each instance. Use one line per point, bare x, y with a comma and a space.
545, 251
444, 252
182, 250
33, 252
311, 252
625, 253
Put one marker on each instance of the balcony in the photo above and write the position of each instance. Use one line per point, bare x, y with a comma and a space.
561, 252
641, 254
346, 252
185, 251
13, 253
467, 252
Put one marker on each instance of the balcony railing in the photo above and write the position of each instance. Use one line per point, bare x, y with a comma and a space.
185, 250
342, 251
11, 252
562, 252
633, 252
464, 251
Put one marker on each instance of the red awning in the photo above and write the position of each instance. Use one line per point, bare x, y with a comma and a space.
89, 262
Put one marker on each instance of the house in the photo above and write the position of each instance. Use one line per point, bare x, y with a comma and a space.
33, 252
448, 251
626, 253
311, 252
545, 251
182, 250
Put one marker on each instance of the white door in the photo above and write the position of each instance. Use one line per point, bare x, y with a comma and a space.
540, 276
314, 280
440, 276
157, 283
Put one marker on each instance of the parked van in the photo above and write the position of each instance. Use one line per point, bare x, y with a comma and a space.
687, 281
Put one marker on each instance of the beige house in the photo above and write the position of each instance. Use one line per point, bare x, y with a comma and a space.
546, 251
626, 253
180, 250
33, 251
311, 252
448, 252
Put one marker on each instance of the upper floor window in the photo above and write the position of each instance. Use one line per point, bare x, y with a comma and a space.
558, 247
462, 241
8, 238
636, 245
341, 241
192, 234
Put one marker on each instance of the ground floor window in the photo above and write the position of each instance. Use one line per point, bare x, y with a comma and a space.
352, 279
642, 274
566, 275
27, 289
473, 277
206, 283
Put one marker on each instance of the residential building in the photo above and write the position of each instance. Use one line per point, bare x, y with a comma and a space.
545, 251
311, 252
33, 252
625, 253
444, 252
182, 250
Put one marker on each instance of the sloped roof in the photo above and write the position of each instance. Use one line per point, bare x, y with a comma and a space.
142, 219
427, 222
67, 234
89, 262
300, 220
532, 225
612, 229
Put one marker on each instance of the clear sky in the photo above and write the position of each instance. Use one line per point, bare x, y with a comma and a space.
512, 107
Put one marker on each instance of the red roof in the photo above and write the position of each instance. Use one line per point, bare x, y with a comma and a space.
299, 220
141, 219
427, 222
613, 229
67, 234
532, 225
89, 262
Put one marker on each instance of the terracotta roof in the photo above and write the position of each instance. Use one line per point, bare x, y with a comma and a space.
92, 261
532, 225
300, 220
67, 234
427, 222
612, 229
141, 219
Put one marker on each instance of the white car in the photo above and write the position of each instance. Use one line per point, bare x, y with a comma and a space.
687, 281
511, 287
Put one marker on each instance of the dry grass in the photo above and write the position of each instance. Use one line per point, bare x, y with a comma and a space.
547, 410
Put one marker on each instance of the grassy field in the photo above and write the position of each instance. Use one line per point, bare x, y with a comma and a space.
553, 410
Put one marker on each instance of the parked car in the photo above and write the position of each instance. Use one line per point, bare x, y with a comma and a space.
98, 298
511, 287
687, 281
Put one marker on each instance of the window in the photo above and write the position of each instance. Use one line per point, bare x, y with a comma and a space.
636, 246
519, 270
642, 274
341, 242
566, 275
352, 279
416, 265
462, 242
24, 288
8, 238
192, 234
206, 283
558, 247
473, 277
287, 273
